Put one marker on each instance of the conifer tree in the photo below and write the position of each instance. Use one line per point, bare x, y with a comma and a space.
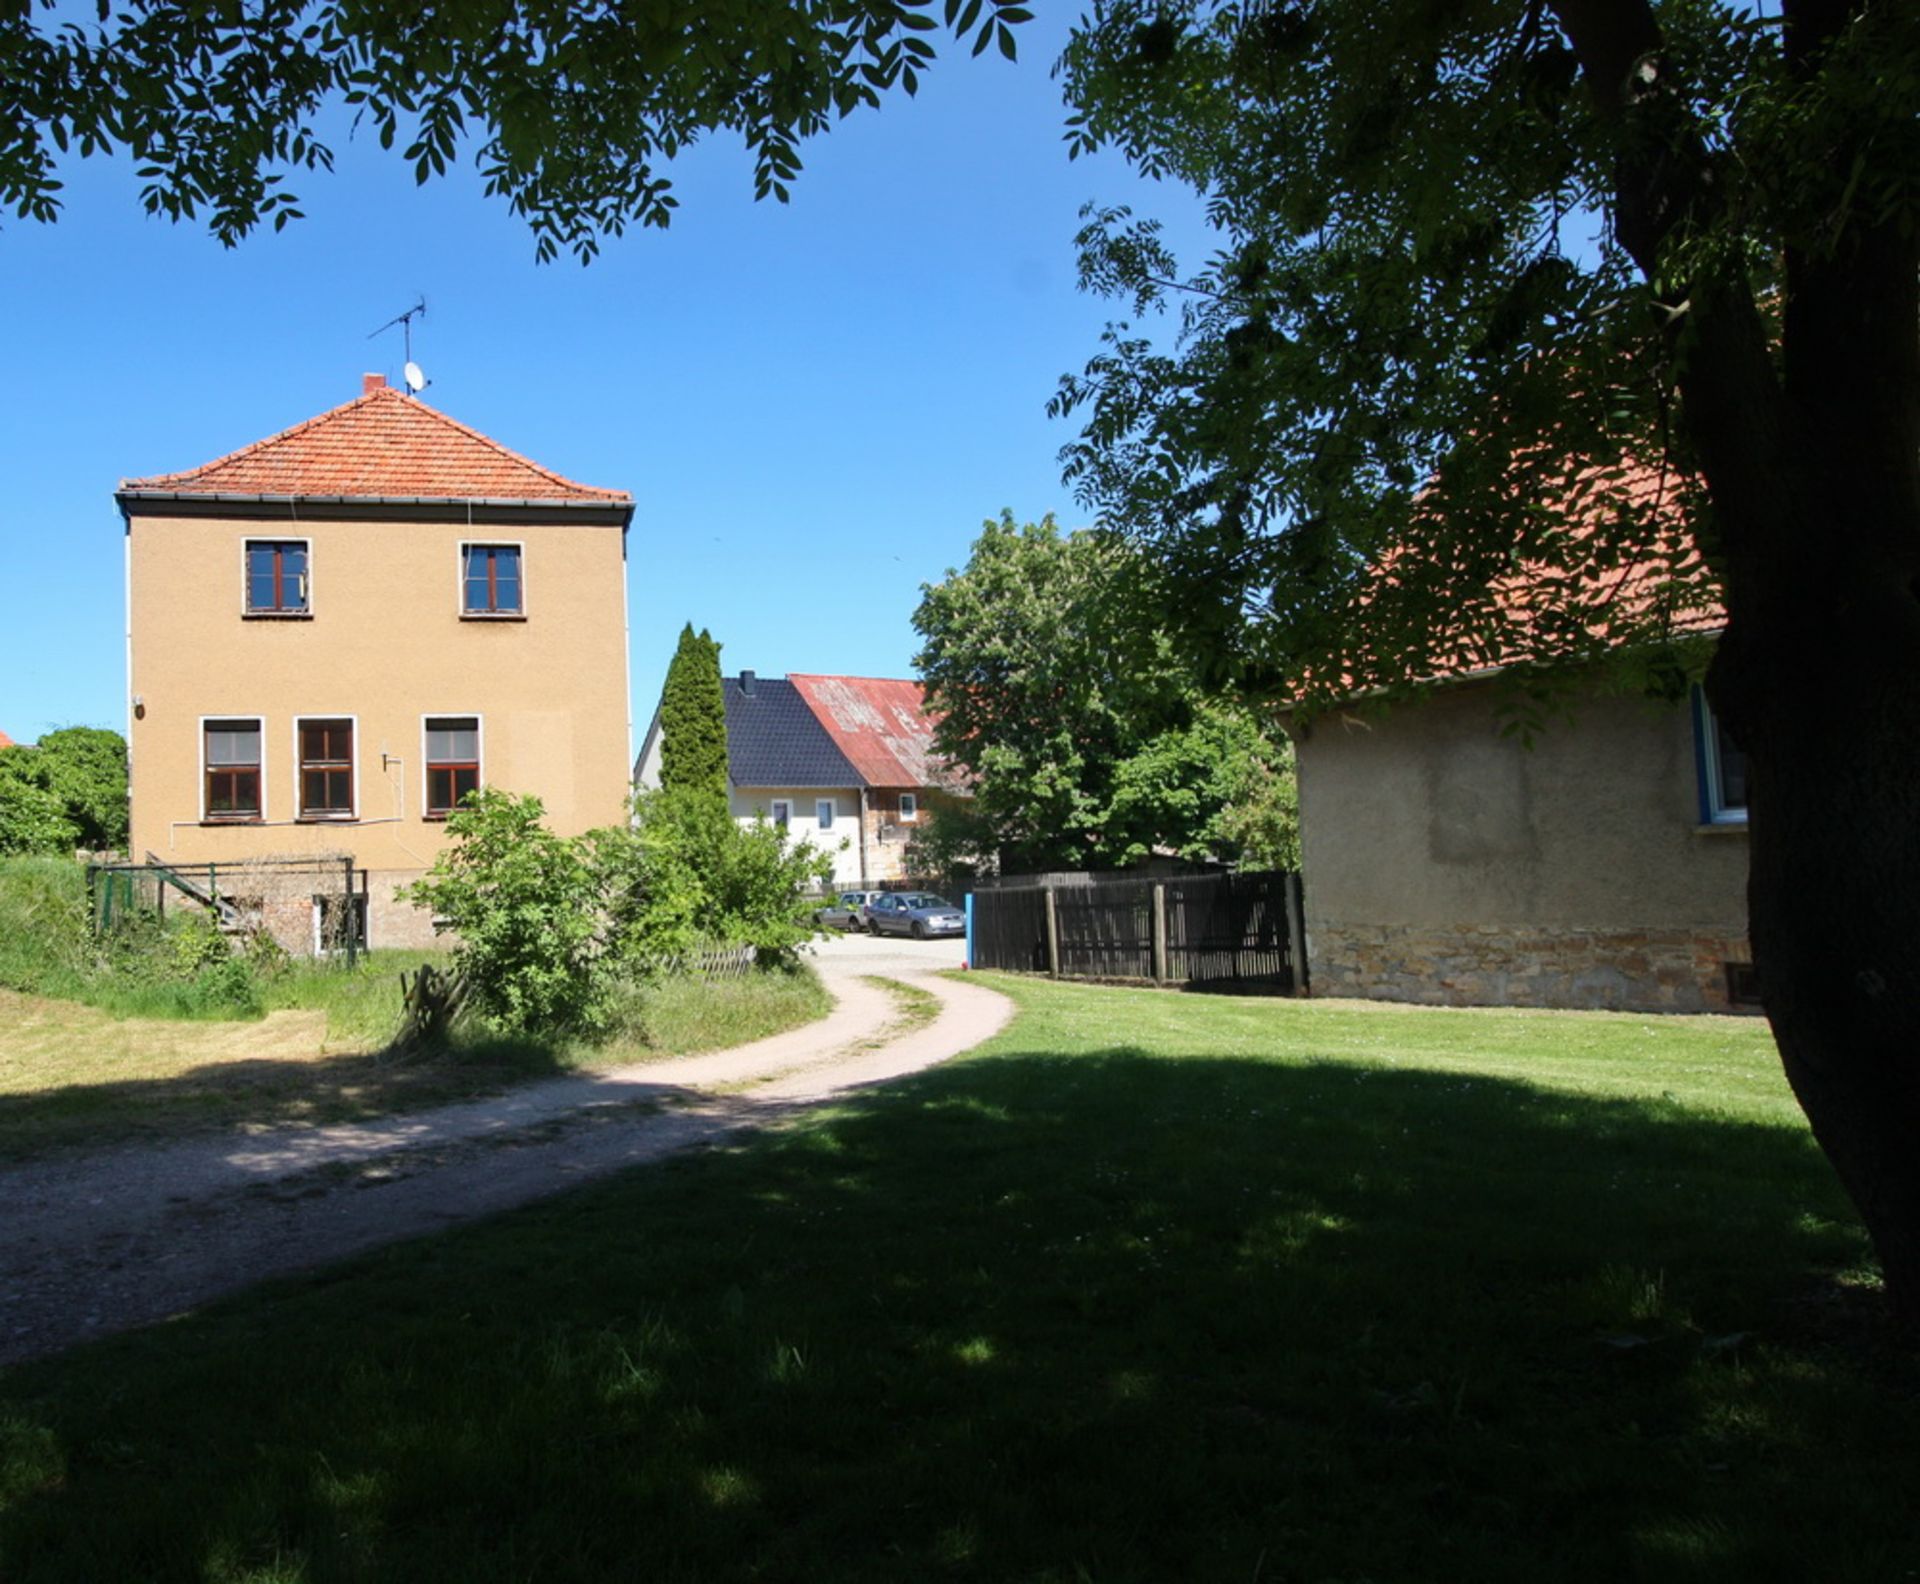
693, 718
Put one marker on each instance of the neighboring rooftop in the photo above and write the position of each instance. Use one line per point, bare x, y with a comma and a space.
880, 724
383, 445
775, 740
5, 740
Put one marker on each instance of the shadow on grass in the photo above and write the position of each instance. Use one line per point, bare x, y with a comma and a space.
266, 1092
1119, 1317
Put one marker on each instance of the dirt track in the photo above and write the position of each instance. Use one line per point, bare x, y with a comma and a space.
97, 1243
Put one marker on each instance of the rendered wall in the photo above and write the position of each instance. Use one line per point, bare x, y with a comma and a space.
1445, 863
842, 840
385, 644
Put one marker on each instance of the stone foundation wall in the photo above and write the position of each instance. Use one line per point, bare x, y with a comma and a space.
1482, 965
287, 911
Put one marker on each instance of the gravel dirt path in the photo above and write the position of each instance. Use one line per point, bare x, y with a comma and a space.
92, 1244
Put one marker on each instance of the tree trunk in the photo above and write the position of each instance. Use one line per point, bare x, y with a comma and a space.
1834, 907
1810, 445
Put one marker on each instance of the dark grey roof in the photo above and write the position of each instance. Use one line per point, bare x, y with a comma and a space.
774, 740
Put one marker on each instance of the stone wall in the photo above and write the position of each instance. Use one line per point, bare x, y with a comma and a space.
1677, 970
286, 910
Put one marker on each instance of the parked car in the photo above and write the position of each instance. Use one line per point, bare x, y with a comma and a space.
916, 913
847, 911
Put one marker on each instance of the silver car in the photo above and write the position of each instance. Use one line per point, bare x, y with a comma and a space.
847, 911
920, 914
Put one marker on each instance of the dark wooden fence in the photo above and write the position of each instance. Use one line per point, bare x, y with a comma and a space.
1220, 929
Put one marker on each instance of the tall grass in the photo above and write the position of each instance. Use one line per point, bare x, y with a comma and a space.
176, 969
688, 1014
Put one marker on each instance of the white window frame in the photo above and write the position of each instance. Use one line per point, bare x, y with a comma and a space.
301, 817
909, 807
246, 610
1713, 804
824, 809
366, 936
460, 580
260, 724
781, 812
480, 728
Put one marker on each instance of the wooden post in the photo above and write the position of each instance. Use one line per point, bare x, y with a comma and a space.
1296, 933
1053, 936
346, 913
1160, 932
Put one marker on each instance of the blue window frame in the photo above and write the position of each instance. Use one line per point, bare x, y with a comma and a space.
1722, 768
490, 581
276, 577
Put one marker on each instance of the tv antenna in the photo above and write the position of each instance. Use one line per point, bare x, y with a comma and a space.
416, 379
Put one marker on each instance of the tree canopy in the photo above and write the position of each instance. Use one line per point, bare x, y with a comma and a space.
69, 791
1477, 263
1087, 739
693, 718
572, 109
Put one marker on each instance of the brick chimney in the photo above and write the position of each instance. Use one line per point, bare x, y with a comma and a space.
369, 383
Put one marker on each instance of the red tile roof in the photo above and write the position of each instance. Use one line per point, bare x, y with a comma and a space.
5, 740
1542, 611
381, 445
881, 725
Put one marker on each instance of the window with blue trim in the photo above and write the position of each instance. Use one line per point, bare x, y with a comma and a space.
1722, 767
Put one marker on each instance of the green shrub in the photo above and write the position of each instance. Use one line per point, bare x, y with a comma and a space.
686, 875
525, 905
547, 927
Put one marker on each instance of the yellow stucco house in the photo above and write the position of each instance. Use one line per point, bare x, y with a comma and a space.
335, 633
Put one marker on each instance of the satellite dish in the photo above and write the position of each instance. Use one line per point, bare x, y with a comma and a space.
416, 380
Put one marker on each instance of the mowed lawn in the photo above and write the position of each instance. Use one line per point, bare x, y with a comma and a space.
1154, 1287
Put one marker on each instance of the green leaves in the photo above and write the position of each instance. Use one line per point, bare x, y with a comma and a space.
693, 719
1086, 730
70, 791
1418, 338
570, 109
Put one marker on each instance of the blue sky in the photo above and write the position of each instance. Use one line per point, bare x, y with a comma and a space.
813, 405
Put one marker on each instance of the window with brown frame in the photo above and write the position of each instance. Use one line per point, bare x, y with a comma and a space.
490, 580
326, 769
231, 750
277, 577
453, 762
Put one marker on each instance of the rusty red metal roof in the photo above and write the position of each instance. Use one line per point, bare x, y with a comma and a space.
881, 725
382, 445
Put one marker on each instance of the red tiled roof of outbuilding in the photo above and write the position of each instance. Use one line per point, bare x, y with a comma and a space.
5, 740
382, 445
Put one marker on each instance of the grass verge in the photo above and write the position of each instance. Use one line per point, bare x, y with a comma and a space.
1151, 1287
73, 1075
